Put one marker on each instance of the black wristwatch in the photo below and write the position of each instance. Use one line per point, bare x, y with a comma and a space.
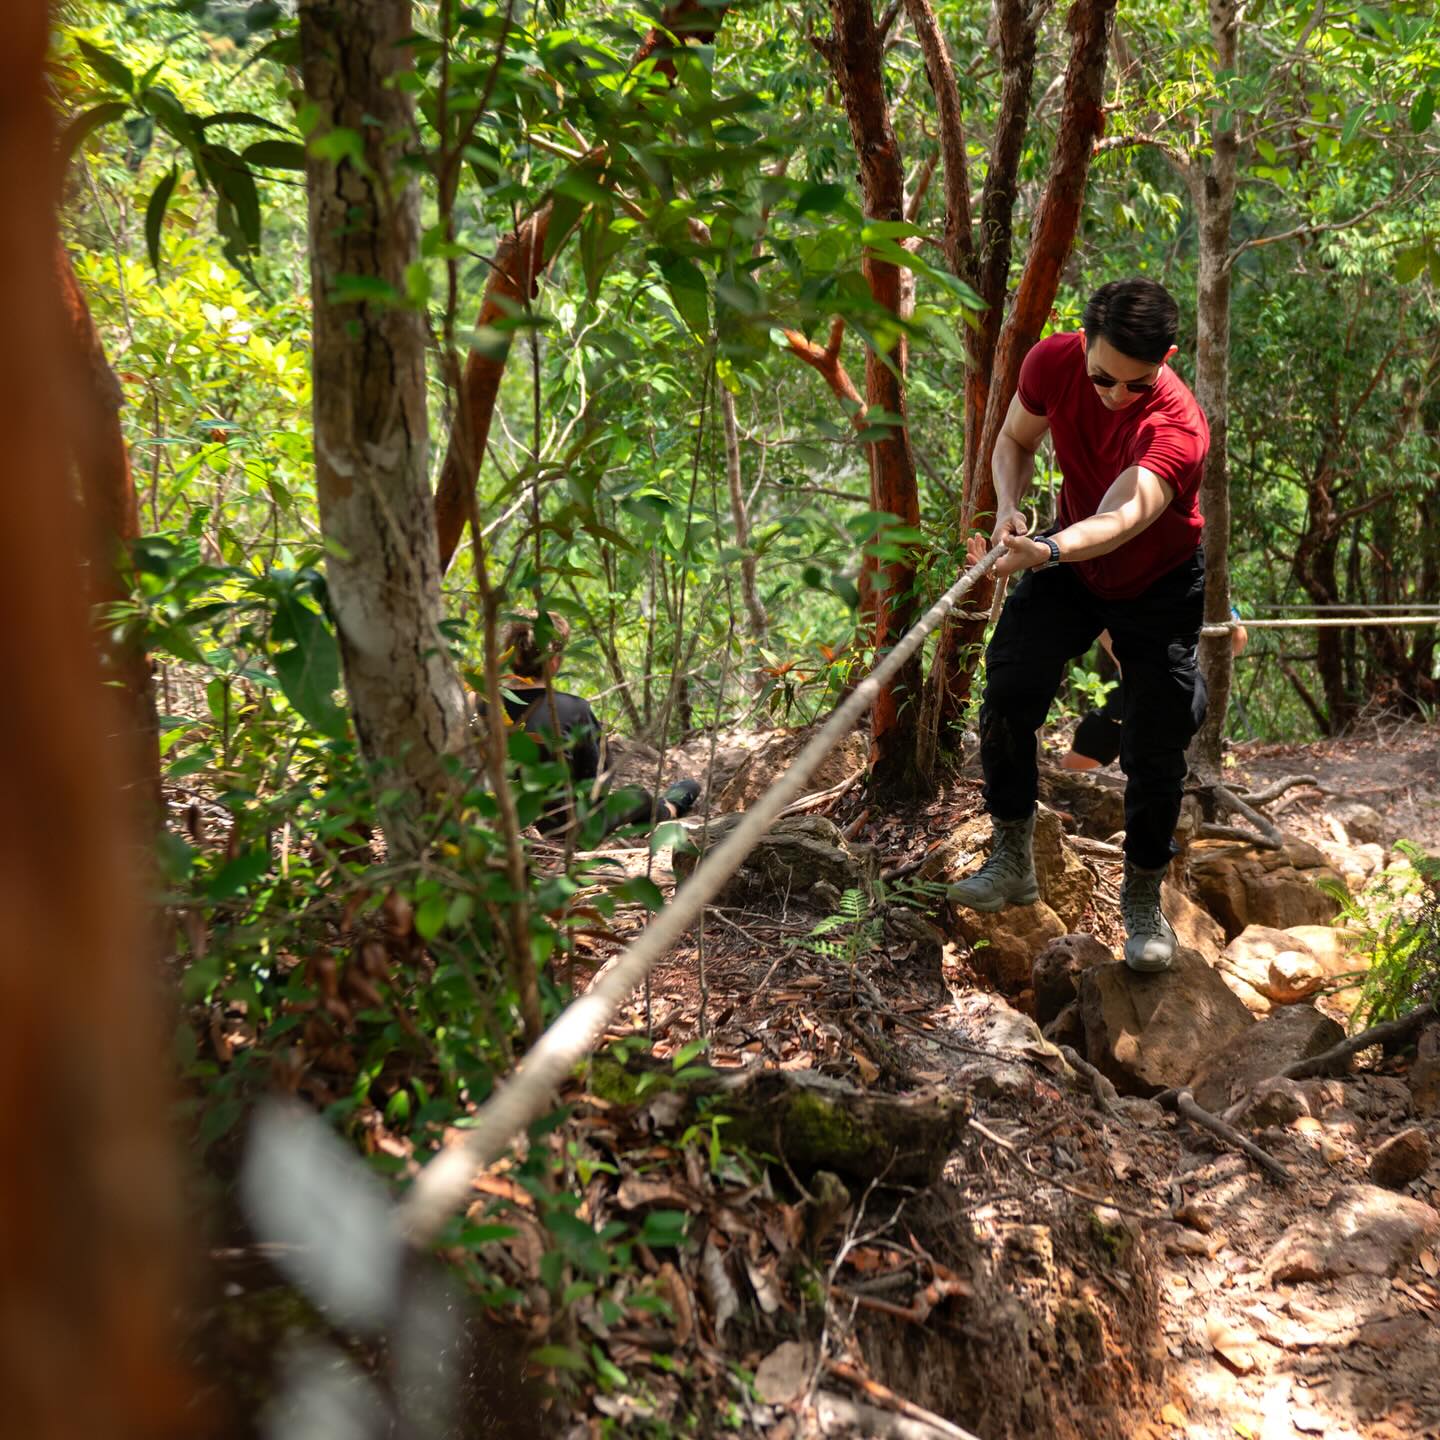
1054, 559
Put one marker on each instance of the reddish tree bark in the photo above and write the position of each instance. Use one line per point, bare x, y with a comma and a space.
856, 52
514, 280
102, 461
88, 1207
1082, 122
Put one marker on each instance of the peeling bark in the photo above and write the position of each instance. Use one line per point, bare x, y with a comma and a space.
1082, 121
856, 53
370, 410
102, 462
89, 1209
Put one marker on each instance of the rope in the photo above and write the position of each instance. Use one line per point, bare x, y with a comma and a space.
526, 1095
1351, 622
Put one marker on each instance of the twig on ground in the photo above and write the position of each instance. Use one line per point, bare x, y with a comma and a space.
1338, 1056
1184, 1102
823, 797
882, 1395
1013, 1151
1104, 1092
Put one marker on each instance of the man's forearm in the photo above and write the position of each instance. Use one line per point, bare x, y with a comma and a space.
1097, 535
1013, 468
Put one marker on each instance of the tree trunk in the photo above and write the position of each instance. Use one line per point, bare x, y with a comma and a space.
89, 1209
1082, 122
102, 461
856, 53
369, 409
1214, 195
514, 275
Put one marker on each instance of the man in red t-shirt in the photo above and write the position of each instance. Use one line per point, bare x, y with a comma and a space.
1125, 557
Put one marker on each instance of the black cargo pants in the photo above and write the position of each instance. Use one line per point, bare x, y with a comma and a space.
1050, 619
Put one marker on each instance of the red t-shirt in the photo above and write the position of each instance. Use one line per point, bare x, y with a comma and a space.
1165, 432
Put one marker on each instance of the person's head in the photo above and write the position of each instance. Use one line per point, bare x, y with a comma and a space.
531, 645
1129, 330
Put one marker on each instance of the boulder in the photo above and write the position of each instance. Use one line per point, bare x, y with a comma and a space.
1425, 1073
1272, 1102
1356, 863
1363, 1231
1055, 976
1067, 1028
1401, 1159
1234, 1068
1003, 946
1096, 800
1244, 885
1274, 963
761, 769
1150, 1032
796, 856
1066, 881
1362, 824
1196, 929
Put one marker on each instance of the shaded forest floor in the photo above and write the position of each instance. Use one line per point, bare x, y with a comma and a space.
1069, 1273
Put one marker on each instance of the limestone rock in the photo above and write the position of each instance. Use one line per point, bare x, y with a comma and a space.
1196, 929
1273, 1102
1232, 1069
793, 858
1004, 945
1055, 975
760, 771
1096, 800
1244, 885
1363, 824
1425, 1073
1273, 962
1149, 1032
1066, 881
1363, 1231
1401, 1159
1356, 863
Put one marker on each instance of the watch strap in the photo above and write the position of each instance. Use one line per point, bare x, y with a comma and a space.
1054, 549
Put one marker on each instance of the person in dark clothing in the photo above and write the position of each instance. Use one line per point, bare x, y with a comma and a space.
1126, 557
564, 723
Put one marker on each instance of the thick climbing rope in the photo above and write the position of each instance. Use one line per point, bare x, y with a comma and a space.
1346, 622
528, 1094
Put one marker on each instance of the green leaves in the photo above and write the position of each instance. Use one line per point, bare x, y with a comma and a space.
80, 128
1422, 111
275, 154
106, 67
686, 283
308, 669
155, 216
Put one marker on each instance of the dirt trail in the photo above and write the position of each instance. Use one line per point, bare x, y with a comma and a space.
1155, 1316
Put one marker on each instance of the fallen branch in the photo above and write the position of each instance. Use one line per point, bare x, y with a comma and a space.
1275, 791
1106, 1096
527, 1094
823, 797
1337, 1058
1184, 1102
883, 1396
1270, 836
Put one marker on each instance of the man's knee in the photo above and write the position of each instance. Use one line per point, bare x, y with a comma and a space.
1019, 692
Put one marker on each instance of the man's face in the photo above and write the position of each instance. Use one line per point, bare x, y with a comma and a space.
1105, 365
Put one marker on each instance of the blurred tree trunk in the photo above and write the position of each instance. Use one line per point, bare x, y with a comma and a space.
370, 406
1213, 191
102, 460
855, 51
1000, 349
88, 1207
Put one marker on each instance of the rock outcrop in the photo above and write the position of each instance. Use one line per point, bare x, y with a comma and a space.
1234, 1068
1150, 1032
1363, 1231
1003, 946
803, 857
1055, 975
1244, 885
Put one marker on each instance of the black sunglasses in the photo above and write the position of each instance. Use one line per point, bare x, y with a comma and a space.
1104, 382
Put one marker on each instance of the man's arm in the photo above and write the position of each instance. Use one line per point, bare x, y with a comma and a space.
1013, 467
1136, 500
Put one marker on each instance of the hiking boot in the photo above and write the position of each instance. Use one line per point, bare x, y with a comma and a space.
1008, 876
680, 798
1150, 940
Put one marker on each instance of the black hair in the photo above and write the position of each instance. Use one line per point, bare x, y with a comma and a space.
1138, 317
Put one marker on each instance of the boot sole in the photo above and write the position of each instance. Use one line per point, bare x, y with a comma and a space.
1142, 967
992, 906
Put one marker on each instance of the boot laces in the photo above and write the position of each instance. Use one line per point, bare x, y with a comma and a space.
1140, 902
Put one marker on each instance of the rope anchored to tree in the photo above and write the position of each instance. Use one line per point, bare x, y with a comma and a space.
527, 1095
